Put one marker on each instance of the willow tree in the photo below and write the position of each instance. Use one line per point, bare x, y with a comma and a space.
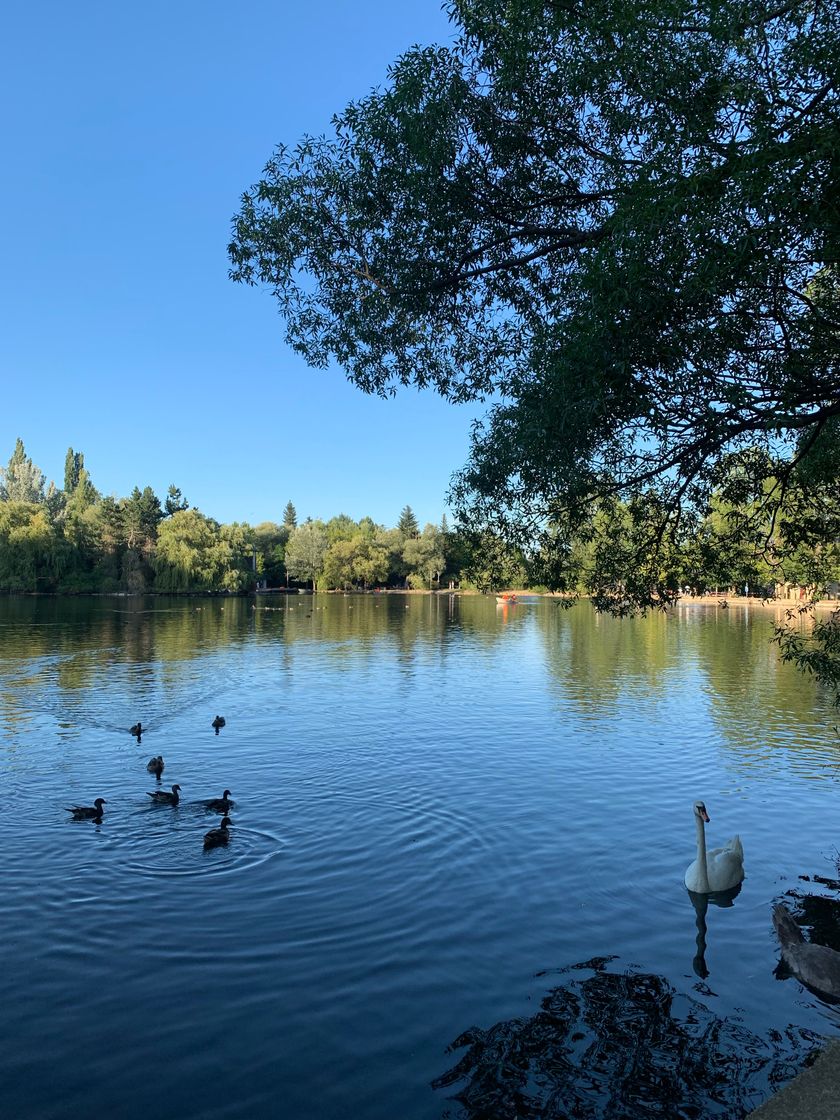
619, 222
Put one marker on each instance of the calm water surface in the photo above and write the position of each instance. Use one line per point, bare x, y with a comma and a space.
442, 806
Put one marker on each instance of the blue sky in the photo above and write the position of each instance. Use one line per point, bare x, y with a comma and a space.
130, 131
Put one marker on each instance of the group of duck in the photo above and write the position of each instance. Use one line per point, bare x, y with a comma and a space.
215, 838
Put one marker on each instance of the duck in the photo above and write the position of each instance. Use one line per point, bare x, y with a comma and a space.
88, 812
718, 870
219, 804
218, 722
136, 730
162, 797
218, 836
155, 765
818, 966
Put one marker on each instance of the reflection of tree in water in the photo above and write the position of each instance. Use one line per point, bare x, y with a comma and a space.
596, 660
819, 916
739, 660
57, 654
620, 1047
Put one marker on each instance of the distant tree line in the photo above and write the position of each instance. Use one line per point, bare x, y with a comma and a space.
75, 540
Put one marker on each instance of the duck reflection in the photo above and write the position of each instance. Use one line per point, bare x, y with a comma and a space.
701, 903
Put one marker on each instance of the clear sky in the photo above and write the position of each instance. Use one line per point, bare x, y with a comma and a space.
129, 133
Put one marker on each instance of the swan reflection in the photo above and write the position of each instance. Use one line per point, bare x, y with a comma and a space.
701, 903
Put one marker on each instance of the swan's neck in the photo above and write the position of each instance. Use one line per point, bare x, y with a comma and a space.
701, 852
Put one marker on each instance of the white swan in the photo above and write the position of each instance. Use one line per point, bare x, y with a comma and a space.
718, 870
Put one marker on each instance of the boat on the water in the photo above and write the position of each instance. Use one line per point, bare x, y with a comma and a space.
506, 597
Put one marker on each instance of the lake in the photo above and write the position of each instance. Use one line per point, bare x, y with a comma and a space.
455, 822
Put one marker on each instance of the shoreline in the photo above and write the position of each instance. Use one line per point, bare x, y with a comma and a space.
730, 601
750, 601
721, 601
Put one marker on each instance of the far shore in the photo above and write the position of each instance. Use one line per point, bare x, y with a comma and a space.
721, 601
750, 601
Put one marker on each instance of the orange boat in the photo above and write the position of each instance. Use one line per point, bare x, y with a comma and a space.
508, 597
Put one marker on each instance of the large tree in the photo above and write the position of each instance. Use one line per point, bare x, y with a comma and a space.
424, 557
305, 551
141, 517
622, 220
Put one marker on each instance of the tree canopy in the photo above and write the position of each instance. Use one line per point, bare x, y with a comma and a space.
619, 223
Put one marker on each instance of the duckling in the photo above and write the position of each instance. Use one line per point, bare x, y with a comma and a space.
218, 836
218, 722
155, 766
161, 797
818, 966
219, 804
136, 730
88, 812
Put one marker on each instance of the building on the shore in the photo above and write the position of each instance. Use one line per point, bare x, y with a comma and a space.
797, 593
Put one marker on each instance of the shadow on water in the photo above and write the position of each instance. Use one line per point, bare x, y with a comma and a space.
701, 903
622, 1046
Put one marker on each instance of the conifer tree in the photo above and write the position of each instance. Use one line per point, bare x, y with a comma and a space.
74, 461
21, 480
290, 515
175, 501
141, 516
407, 524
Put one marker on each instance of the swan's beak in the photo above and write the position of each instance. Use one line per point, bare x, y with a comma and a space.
705, 816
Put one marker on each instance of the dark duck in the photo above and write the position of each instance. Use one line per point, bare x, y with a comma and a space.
216, 837
88, 812
162, 797
818, 966
219, 804
217, 723
155, 766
